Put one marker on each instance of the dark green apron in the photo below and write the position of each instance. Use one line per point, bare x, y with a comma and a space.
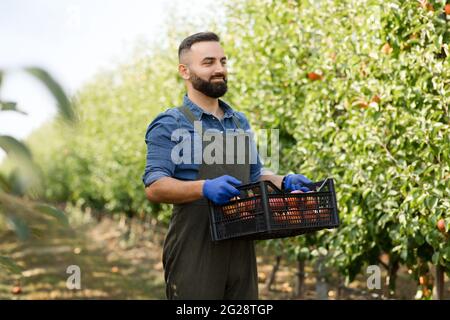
195, 267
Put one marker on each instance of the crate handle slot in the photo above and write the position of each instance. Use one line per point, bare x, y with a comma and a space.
255, 184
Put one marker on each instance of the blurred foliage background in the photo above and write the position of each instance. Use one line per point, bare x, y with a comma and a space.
359, 91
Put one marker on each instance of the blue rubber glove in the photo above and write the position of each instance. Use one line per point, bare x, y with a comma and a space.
220, 190
296, 182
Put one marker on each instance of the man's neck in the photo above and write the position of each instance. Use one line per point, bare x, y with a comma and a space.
208, 104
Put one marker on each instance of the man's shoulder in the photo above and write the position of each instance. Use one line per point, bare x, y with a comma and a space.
171, 114
240, 115
242, 119
168, 119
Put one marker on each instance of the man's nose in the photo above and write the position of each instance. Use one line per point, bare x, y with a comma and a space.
220, 69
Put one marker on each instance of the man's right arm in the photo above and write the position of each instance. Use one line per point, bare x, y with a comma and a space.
161, 187
171, 190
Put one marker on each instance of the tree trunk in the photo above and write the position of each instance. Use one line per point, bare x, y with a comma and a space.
321, 284
271, 279
392, 275
438, 290
300, 279
340, 287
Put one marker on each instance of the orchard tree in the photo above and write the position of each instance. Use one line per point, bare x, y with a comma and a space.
358, 92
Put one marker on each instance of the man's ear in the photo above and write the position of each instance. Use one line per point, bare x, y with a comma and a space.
184, 71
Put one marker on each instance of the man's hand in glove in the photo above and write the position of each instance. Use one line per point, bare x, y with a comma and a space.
293, 182
220, 190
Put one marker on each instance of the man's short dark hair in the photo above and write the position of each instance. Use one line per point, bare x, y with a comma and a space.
187, 43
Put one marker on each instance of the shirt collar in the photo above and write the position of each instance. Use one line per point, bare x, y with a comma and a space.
198, 112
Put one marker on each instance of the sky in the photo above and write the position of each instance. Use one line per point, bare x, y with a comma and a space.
72, 40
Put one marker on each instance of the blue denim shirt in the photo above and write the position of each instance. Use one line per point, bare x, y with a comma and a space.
159, 143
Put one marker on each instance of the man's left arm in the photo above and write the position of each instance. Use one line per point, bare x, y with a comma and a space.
268, 175
289, 182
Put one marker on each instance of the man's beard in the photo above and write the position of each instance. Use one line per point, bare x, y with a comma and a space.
208, 88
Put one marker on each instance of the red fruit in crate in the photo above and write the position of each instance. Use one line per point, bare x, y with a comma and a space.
226, 210
277, 216
311, 206
294, 202
242, 209
295, 206
280, 216
247, 208
447, 9
276, 203
324, 214
311, 202
278, 208
231, 208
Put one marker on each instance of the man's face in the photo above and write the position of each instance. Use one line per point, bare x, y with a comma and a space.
206, 64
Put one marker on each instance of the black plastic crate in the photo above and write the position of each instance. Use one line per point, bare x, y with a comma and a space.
263, 211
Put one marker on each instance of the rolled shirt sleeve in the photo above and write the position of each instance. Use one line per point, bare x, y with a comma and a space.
159, 146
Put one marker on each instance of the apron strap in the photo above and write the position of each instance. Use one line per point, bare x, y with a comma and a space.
187, 113
190, 116
237, 122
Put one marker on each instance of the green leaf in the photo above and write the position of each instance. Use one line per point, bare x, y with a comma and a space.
21, 179
10, 106
4, 183
435, 258
52, 211
15, 147
303, 253
64, 105
446, 254
431, 202
10, 265
19, 226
